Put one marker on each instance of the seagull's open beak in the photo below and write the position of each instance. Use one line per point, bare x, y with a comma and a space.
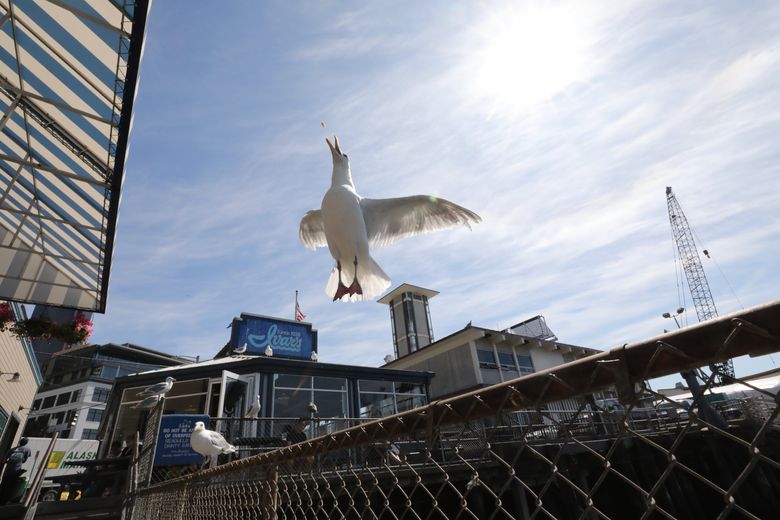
336, 140
333, 151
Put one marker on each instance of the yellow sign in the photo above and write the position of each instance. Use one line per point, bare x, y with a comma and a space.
55, 460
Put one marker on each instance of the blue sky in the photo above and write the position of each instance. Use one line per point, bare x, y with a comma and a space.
559, 123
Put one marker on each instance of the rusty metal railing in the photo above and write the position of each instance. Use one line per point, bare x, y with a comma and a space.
508, 451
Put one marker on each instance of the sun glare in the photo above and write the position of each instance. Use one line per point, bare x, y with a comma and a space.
527, 57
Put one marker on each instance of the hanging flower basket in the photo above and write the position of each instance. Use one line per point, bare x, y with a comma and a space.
70, 333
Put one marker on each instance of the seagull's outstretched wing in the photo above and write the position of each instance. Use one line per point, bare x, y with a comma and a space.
312, 230
387, 220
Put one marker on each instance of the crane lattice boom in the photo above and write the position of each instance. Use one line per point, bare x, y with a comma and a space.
691, 264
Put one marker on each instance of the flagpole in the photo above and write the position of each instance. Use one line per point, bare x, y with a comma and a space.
295, 311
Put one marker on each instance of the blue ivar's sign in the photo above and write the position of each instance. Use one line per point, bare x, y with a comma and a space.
286, 338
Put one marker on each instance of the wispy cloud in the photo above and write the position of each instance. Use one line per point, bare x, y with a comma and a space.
228, 154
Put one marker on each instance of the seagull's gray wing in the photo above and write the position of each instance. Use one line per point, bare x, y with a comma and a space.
149, 402
312, 230
387, 220
218, 441
155, 389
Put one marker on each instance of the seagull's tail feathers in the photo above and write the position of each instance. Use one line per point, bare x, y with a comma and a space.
373, 280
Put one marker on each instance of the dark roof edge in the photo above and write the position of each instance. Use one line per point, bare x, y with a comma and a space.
135, 52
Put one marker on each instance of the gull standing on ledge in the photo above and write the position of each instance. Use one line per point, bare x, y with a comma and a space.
209, 443
160, 389
349, 223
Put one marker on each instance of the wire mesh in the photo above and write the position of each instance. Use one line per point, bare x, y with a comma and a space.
548, 445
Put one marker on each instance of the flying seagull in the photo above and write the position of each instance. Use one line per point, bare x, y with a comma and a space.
160, 388
348, 223
209, 443
149, 402
254, 410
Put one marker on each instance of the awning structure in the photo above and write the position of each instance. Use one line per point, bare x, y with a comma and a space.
68, 76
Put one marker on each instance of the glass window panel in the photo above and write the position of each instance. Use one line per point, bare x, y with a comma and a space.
330, 383
331, 404
48, 402
292, 381
36, 406
100, 395
368, 385
525, 362
407, 402
187, 404
376, 405
291, 403
409, 388
63, 399
89, 434
486, 359
195, 386
94, 415
506, 360
75, 396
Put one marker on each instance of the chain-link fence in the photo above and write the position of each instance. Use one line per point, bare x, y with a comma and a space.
547, 445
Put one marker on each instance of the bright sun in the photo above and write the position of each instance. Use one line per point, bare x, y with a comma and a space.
528, 56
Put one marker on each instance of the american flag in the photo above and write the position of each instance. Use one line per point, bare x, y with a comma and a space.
299, 315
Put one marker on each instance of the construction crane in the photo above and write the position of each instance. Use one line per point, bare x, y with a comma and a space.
694, 273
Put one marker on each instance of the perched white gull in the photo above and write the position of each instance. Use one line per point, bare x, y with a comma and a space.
254, 410
160, 388
149, 402
240, 350
348, 223
209, 443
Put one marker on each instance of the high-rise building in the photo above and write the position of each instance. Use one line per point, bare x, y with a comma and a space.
77, 384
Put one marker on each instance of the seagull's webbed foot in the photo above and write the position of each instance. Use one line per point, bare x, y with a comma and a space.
341, 290
355, 288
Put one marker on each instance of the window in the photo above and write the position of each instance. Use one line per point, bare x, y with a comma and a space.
486, 359
526, 365
36, 405
89, 434
75, 396
507, 361
95, 415
63, 399
383, 398
293, 393
100, 395
48, 402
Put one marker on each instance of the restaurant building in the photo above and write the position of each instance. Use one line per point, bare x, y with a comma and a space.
276, 360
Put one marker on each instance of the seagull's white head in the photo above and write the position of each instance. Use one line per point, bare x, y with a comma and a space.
169, 380
199, 426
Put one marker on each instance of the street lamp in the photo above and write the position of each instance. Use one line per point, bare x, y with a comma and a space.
679, 311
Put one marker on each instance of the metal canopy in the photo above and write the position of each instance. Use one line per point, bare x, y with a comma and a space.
68, 75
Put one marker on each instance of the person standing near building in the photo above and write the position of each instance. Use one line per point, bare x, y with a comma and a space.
13, 470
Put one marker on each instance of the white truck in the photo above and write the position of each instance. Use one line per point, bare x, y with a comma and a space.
65, 450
